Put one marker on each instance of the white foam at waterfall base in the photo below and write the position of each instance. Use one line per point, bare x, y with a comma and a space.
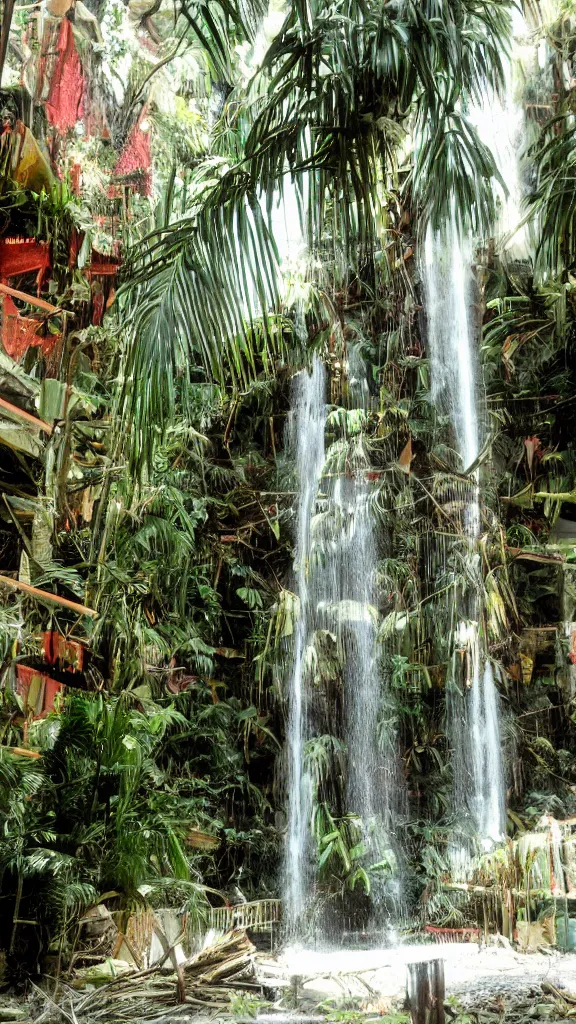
470, 971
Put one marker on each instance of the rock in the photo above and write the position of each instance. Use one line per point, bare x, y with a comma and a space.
545, 1010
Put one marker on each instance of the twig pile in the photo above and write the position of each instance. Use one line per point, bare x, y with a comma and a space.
204, 982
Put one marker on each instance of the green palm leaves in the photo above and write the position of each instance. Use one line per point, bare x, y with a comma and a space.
341, 76
329, 107
196, 290
554, 198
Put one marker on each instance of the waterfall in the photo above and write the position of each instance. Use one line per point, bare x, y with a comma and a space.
356, 566
487, 758
309, 406
501, 124
472, 706
473, 722
449, 286
336, 565
350, 607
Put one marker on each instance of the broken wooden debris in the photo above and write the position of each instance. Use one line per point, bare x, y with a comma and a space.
204, 982
32, 300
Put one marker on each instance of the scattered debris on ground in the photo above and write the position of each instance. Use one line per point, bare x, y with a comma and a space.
212, 982
229, 981
534, 1003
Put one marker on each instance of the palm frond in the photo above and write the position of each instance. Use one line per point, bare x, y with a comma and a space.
454, 173
196, 287
553, 202
332, 82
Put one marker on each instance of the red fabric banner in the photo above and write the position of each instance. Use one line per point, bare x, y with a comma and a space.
64, 106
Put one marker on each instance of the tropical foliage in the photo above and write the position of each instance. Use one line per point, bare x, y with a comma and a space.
156, 497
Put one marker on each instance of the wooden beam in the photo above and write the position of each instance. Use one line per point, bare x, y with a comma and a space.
45, 595
33, 300
26, 416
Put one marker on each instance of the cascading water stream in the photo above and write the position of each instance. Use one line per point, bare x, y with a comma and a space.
336, 581
373, 789
478, 768
309, 426
487, 763
500, 122
448, 280
472, 710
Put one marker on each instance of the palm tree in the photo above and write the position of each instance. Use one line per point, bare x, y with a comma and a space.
331, 107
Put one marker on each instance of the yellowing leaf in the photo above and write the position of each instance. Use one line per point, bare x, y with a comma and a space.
406, 456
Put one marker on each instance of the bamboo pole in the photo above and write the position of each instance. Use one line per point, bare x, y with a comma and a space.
45, 595
32, 300
8, 10
26, 416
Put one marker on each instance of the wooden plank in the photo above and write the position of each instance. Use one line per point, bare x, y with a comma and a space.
26, 416
44, 595
33, 300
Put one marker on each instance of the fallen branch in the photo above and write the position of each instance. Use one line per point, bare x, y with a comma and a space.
549, 989
22, 752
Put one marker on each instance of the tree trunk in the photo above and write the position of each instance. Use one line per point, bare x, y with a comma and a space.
425, 992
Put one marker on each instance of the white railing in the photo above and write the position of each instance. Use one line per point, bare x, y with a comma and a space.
259, 914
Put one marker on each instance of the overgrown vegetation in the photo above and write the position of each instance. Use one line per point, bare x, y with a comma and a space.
158, 491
